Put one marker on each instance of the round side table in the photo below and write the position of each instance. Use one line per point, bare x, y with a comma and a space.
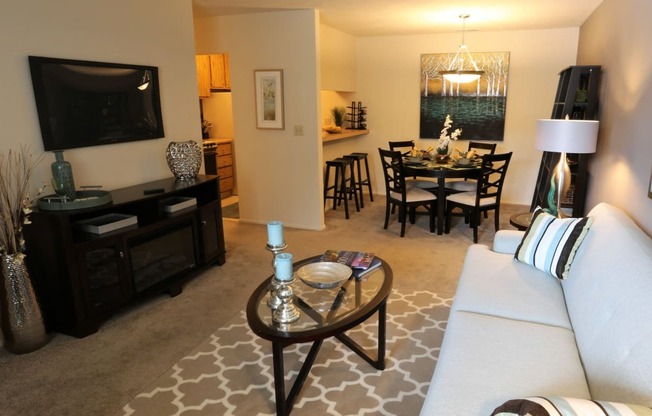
521, 220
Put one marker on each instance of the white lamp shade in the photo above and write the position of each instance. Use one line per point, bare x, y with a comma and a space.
570, 136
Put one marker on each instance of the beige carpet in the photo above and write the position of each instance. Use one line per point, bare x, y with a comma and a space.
231, 372
98, 375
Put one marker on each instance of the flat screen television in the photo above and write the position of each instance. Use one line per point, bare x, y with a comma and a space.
85, 103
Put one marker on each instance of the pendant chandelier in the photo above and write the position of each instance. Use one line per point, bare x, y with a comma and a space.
456, 71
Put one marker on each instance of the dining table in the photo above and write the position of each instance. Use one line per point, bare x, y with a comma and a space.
442, 171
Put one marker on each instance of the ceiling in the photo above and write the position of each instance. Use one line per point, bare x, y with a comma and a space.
407, 17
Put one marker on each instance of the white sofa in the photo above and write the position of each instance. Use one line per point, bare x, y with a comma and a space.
515, 331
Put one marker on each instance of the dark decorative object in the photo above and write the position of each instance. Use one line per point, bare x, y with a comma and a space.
184, 159
62, 179
441, 159
20, 317
357, 116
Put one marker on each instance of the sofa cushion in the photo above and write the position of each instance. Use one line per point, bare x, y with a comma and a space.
568, 406
496, 284
550, 243
486, 360
609, 298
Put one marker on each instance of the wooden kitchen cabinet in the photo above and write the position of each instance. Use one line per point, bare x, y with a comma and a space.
220, 75
212, 73
203, 75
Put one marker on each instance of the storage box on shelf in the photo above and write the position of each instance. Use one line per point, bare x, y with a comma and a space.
82, 277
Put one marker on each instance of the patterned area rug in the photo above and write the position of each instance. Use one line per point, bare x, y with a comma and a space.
231, 372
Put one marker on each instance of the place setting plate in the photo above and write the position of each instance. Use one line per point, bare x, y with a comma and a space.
324, 274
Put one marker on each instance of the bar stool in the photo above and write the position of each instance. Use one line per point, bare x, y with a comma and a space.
357, 158
343, 185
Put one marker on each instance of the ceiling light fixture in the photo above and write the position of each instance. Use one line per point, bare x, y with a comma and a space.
456, 71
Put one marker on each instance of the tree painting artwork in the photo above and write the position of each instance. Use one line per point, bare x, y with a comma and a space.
478, 107
269, 99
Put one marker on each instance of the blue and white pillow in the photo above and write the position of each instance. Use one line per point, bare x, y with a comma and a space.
550, 243
568, 406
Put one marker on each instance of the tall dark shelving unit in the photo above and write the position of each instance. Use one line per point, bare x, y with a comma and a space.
577, 98
357, 116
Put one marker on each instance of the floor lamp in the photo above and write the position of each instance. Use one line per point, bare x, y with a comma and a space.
564, 136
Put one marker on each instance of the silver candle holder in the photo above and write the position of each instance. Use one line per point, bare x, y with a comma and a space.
286, 312
274, 301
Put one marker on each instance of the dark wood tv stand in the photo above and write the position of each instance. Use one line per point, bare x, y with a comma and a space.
81, 278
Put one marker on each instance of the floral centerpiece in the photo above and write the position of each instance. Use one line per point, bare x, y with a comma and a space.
20, 319
445, 138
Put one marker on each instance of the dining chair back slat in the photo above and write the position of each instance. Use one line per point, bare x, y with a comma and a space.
401, 146
486, 148
466, 185
400, 194
487, 195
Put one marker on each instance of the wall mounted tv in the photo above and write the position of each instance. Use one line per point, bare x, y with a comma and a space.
84, 103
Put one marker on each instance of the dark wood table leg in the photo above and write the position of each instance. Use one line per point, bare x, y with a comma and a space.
379, 362
283, 405
441, 204
279, 379
382, 332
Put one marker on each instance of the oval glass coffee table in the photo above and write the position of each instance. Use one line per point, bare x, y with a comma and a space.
324, 313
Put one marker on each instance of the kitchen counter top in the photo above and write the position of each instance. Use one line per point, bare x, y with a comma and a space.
345, 134
218, 140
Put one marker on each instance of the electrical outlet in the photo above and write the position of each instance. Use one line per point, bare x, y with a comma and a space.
327, 121
298, 130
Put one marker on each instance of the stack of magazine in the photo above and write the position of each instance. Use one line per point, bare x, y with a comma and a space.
361, 262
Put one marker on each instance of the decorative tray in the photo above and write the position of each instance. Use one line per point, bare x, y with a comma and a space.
324, 274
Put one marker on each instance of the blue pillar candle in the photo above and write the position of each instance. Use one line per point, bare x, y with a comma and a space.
275, 233
283, 266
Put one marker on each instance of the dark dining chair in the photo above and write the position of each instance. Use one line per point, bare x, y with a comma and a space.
398, 194
466, 185
486, 196
404, 146
413, 182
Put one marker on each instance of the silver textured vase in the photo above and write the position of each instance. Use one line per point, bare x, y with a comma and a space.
184, 159
20, 317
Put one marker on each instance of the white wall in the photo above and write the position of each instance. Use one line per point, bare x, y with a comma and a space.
338, 60
617, 36
218, 109
148, 32
279, 173
388, 83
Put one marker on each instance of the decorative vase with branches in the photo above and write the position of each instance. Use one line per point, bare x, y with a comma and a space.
20, 315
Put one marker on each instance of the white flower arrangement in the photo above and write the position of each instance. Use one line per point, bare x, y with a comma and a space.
15, 204
444, 138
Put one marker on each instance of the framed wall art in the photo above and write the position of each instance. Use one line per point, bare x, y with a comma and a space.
269, 99
477, 107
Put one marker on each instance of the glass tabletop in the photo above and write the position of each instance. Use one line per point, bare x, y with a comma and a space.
321, 309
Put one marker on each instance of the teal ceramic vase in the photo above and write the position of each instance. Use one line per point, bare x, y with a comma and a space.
62, 179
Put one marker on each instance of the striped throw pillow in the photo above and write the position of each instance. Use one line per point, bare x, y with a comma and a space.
568, 406
550, 243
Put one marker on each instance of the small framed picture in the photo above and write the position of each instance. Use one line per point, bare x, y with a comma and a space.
269, 99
